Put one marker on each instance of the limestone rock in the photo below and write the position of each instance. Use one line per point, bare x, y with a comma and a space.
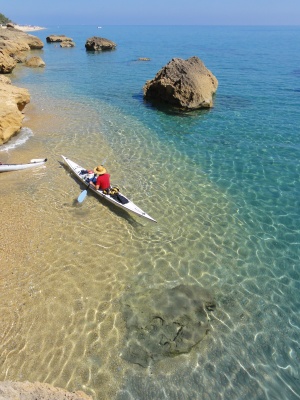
14, 46
165, 322
67, 44
35, 62
58, 38
185, 84
7, 63
13, 101
99, 44
20, 37
37, 391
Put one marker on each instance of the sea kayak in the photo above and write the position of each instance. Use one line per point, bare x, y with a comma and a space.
36, 162
126, 204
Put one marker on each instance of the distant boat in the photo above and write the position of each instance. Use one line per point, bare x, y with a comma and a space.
99, 27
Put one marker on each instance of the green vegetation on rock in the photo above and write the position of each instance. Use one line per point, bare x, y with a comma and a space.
4, 20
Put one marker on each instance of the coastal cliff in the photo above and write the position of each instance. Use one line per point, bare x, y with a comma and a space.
14, 48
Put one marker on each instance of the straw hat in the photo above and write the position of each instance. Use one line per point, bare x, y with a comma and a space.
100, 170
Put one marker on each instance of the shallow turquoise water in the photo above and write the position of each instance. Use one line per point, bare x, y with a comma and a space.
223, 185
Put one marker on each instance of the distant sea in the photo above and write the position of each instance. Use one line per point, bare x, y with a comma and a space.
223, 184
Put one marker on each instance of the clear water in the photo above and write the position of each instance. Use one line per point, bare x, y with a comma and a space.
223, 185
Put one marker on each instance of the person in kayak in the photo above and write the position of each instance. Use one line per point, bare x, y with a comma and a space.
103, 178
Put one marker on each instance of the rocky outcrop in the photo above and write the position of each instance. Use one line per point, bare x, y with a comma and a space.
13, 101
14, 47
185, 84
58, 39
67, 44
165, 322
20, 37
99, 44
35, 62
37, 391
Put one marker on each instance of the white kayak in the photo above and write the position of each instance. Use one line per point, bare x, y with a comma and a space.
128, 205
36, 162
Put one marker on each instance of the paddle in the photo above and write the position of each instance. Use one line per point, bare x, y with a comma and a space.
82, 196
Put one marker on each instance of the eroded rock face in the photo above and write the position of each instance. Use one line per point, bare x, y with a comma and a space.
7, 62
58, 38
37, 391
18, 36
99, 44
13, 101
185, 84
165, 322
14, 47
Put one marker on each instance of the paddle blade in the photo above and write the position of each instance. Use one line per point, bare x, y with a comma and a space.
82, 196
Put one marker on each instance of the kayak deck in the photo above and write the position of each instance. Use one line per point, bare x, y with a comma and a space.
128, 205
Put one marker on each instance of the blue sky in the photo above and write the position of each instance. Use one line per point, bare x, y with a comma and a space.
152, 12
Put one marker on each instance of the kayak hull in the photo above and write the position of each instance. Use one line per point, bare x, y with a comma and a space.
129, 206
17, 167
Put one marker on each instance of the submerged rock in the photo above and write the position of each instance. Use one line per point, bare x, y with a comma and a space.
99, 44
185, 84
165, 322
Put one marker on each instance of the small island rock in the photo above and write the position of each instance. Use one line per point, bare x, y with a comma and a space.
58, 38
99, 44
185, 84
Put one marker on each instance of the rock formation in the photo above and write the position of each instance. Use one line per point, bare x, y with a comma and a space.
14, 47
185, 84
99, 44
34, 62
20, 37
58, 38
165, 322
37, 391
13, 101
67, 44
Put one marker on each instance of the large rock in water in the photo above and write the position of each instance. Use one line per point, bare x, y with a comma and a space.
99, 44
185, 84
35, 62
165, 322
58, 38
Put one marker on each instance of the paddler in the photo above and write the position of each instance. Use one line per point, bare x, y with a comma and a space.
102, 178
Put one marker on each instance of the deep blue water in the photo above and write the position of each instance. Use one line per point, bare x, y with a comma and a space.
248, 149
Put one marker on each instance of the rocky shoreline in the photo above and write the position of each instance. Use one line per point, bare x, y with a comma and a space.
15, 47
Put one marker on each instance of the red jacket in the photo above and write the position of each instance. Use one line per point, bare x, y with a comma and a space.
103, 181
